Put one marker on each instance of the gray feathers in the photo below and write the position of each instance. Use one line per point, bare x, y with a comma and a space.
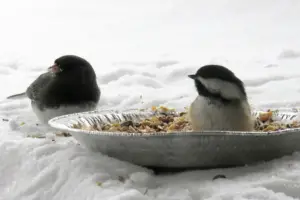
35, 88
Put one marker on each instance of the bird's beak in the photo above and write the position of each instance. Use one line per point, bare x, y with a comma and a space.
192, 76
54, 68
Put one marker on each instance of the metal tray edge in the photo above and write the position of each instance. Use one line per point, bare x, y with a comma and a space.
53, 123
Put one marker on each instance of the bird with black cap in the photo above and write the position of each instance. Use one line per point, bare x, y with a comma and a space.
222, 102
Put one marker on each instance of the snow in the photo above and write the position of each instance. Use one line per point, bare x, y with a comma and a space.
142, 52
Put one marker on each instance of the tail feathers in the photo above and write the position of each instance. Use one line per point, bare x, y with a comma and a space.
17, 96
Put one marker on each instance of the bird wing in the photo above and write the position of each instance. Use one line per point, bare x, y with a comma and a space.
35, 88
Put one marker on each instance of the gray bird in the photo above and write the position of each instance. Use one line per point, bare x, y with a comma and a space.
69, 86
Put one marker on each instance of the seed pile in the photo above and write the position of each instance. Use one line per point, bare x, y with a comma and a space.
265, 123
169, 121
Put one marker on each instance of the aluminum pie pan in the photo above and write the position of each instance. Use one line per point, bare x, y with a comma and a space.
206, 149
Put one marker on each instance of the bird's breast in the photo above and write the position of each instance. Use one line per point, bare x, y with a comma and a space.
47, 113
206, 115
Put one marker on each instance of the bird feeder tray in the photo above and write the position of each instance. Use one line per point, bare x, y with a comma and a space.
205, 149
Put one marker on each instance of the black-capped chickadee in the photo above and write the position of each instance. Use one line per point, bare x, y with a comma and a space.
221, 103
69, 86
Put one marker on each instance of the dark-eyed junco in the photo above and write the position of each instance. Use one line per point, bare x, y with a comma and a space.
221, 103
69, 86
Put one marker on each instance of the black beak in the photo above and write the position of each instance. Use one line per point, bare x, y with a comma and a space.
192, 76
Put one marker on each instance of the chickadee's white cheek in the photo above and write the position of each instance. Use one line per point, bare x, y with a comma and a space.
226, 89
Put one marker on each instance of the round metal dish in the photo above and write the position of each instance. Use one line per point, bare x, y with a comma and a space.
207, 149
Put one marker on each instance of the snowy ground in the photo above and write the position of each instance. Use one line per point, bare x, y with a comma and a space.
142, 52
